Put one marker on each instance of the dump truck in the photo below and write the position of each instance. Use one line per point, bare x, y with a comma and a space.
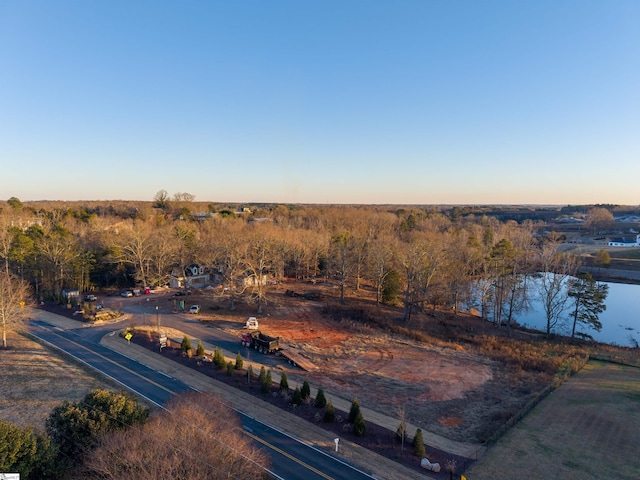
260, 341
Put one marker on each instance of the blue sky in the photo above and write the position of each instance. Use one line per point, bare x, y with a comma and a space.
350, 101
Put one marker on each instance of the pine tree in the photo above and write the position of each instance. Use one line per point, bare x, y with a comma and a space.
249, 374
218, 359
588, 297
230, 368
297, 397
284, 384
200, 350
305, 391
329, 414
266, 384
418, 444
355, 409
321, 400
186, 344
263, 374
239, 362
359, 427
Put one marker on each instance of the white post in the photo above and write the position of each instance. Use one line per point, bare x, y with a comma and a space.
336, 440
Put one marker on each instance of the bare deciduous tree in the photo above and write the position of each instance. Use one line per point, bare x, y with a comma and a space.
196, 437
15, 303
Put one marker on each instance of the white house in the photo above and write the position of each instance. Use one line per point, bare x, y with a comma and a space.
625, 241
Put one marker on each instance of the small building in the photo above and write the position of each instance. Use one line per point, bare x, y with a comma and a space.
71, 294
625, 241
193, 275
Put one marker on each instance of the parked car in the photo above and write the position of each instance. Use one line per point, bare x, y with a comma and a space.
90, 298
252, 323
126, 294
181, 293
194, 309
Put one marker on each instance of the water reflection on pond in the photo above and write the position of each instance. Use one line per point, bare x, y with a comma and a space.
620, 321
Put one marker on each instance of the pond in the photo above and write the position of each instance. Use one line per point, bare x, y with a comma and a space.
620, 321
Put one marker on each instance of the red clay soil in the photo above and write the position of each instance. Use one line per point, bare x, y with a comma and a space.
377, 439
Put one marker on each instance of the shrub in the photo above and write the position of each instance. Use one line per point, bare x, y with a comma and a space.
418, 444
321, 400
200, 350
359, 427
329, 414
266, 384
230, 368
297, 397
305, 391
186, 344
75, 428
354, 411
284, 384
249, 374
239, 362
263, 374
218, 359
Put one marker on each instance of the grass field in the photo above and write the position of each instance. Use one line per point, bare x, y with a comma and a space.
34, 380
589, 428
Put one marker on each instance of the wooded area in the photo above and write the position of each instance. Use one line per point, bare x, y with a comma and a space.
418, 258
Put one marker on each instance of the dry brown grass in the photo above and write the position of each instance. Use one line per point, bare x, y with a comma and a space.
34, 380
587, 429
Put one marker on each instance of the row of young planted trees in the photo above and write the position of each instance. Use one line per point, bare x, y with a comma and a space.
299, 396
416, 258
109, 435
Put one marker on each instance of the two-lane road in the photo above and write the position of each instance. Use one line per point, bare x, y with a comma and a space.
291, 459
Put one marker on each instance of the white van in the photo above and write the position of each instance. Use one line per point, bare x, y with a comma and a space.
252, 323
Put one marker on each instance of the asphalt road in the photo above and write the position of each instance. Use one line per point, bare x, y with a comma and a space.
146, 313
291, 459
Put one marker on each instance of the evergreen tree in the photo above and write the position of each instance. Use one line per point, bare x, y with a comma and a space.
305, 391
249, 374
418, 444
297, 397
359, 427
284, 384
588, 296
329, 414
354, 411
32, 454
76, 427
266, 384
200, 349
218, 359
230, 368
321, 400
391, 287
221, 363
186, 344
263, 374
239, 362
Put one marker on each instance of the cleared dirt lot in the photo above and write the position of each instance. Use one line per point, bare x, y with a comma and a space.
445, 388
589, 428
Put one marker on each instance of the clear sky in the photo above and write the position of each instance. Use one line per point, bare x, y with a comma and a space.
321, 101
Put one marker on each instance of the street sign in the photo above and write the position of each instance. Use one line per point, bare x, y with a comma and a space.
163, 340
128, 336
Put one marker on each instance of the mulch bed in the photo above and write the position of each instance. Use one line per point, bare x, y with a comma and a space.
377, 438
